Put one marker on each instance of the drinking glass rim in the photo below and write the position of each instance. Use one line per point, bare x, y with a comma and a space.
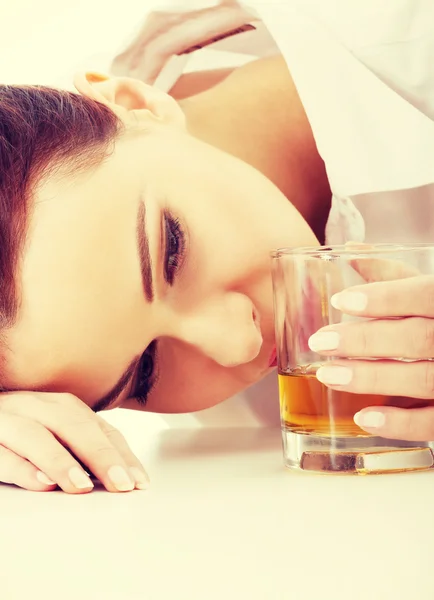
350, 249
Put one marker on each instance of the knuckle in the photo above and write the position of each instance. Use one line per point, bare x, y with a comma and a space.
12, 428
116, 439
410, 426
103, 455
388, 298
428, 294
427, 379
59, 460
63, 401
362, 336
428, 433
423, 339
76, 427
366, 377
106, 427
68, 399
370, 377
113, 434
417, 424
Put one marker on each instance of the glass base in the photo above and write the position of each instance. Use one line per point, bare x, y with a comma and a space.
358, 455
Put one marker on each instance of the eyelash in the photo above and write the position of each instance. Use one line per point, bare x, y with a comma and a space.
146, 378
174, 247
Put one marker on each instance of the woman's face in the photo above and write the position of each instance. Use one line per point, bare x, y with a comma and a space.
148, 277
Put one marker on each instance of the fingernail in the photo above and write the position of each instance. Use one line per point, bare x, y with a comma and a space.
324, 340
42, 478
120, 479
370, 420
349, 301
141, 479
334, 375
79, 479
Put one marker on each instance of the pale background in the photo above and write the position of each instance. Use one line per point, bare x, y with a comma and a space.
46, 41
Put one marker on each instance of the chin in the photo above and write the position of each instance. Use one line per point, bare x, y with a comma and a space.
252, 373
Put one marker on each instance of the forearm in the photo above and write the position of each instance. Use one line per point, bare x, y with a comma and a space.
191, 84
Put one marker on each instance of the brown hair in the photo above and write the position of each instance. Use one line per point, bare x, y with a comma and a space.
42, 130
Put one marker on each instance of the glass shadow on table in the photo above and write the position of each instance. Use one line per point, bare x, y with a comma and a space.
181, 444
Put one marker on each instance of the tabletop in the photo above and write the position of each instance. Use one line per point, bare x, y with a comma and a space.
223, 519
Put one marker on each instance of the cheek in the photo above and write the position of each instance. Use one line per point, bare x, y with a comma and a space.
189, 382
227, 249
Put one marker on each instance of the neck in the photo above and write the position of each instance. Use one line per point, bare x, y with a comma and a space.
265, 125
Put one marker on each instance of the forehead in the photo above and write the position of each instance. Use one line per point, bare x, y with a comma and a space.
78, 266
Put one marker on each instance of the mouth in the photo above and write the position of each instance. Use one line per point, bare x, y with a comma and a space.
272, 362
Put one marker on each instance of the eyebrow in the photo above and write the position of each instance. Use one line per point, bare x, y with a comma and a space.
143, 252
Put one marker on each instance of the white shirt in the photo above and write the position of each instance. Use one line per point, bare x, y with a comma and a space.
365, 74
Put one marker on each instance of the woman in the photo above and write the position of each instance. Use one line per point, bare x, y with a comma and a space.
154, 235
136, 256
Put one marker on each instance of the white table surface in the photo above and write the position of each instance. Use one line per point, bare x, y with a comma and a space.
223, 520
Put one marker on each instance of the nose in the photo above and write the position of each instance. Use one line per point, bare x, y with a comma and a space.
223, 328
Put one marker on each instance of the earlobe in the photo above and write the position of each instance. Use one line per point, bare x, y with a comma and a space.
125, 95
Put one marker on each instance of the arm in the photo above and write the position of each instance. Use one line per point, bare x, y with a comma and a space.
191, 84
166, 34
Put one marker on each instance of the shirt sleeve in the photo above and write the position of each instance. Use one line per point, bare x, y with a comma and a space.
364, 73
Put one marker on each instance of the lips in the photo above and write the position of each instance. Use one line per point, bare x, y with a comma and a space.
273, 359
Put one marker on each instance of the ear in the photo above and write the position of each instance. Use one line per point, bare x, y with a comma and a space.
132, 100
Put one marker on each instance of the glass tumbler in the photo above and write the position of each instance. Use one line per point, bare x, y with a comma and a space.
318, 430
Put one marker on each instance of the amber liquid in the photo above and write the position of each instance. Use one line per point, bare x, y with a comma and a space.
307, 406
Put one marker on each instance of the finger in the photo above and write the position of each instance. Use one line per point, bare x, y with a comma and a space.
408, 338
409, 297
136, 469
184, 32
154, 24
88, 442
16, 470
77, 427
148, 67
139, 54
387, 378
30, 440
379, 269
372, 268
413, 425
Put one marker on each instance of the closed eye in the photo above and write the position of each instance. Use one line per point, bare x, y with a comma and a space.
146, 375
174, 247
